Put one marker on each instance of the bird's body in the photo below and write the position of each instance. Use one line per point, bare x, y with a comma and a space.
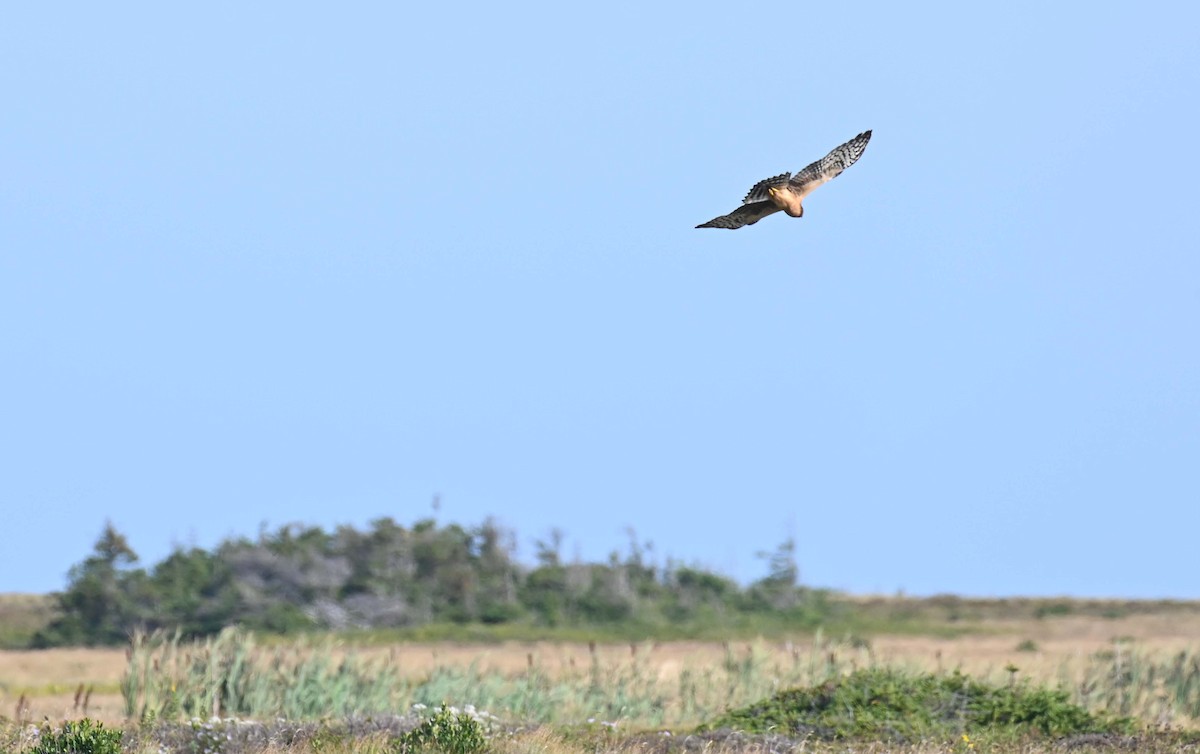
786, 200
785, 192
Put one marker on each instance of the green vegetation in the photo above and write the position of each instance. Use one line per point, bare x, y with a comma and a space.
622, 706
448, 730
230, 675
450, 582
872, 710
234, 675
79, 737
1129, 683
885, 704
398, 579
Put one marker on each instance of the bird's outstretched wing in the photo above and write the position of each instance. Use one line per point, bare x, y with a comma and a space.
747, 214
758, 192
827, 168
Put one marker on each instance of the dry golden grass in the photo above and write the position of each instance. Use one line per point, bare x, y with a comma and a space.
49, 679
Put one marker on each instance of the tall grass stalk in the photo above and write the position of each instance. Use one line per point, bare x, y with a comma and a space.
1161, 690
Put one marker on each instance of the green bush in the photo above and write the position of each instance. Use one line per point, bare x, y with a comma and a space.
81, 737
447, 731
890, 704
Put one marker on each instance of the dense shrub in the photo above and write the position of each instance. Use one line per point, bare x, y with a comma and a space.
78, 737
892, 704
448, 731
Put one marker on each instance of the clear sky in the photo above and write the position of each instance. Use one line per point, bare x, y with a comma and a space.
274, 262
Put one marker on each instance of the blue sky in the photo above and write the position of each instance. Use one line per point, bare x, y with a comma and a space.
304, 263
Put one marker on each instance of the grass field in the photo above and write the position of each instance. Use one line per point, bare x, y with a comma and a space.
1116, 656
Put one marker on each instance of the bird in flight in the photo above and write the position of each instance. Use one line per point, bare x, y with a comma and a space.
786, 191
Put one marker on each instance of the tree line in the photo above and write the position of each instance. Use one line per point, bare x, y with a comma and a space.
299, 578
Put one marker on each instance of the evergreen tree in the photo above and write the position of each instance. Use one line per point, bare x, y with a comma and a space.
99, 605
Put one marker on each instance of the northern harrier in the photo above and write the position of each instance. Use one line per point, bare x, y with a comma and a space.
786, 191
